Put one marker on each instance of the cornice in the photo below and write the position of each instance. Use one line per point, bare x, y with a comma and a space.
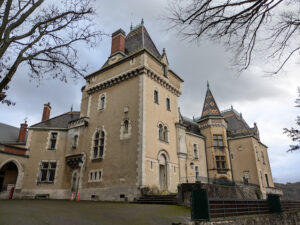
130, 74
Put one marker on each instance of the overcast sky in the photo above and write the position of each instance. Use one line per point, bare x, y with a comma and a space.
268, 101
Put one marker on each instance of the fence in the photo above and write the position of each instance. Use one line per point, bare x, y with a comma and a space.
203, 208
194, 179
225, 208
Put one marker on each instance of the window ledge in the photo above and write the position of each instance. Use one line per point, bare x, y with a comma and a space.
164, 141
74, 147
97, 159
45, 182
51, 149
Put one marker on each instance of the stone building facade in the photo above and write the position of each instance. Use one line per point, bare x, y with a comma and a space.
129, 134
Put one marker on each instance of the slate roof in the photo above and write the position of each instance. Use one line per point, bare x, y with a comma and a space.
138, 39
210, 107
191, 126
8, 134
60, 121
236, 125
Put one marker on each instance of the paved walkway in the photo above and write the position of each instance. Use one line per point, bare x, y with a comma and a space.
54, 212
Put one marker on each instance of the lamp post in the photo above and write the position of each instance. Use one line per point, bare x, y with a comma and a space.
77, 185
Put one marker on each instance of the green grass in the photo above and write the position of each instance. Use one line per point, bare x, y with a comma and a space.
40, 212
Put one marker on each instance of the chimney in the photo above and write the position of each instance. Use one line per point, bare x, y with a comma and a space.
118, 41
22, 132
46, 112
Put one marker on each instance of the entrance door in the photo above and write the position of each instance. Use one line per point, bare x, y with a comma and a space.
74, 182
162, 176
163, 173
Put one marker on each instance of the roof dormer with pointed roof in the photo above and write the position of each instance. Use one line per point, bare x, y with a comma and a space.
210, 107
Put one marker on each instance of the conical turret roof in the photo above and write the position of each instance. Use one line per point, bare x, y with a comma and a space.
210, 107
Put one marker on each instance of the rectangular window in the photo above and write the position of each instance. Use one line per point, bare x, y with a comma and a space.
221, 162
168, 104
102, 101
47, 172
218, 140
75, 140
156, 96
53, 139
195, 151
263, 158
95, 176
165, 71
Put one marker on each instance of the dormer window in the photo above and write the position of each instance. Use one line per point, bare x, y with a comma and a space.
165, 71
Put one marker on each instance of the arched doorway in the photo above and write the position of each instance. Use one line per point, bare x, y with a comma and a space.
8, 176
163, 172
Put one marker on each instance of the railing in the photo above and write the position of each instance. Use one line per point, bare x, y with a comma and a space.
290, 205
194, 179
226, 208
204, 208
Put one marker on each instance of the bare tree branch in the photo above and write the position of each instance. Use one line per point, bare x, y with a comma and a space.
240, 25
44, 36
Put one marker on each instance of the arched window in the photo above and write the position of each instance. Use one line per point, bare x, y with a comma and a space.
160, 132
168, 105
126, 126
156, 96
165, 133
75, 140
99, 144
102, 100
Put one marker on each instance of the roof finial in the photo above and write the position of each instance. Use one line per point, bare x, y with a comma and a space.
207, 85
142, 22
131, 27
231, 107
72, 108
164, 51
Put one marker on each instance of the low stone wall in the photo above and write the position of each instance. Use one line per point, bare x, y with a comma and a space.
286, 218
215, 191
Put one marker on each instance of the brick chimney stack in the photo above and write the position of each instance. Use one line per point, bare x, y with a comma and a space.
46, 112
22, 132
118, 41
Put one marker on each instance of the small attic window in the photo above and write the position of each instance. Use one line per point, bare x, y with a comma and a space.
165, 71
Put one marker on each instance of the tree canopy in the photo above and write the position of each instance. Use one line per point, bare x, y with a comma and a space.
43, 35
241, 25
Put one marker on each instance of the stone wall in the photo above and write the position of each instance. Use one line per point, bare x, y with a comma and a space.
286, 218
215, 191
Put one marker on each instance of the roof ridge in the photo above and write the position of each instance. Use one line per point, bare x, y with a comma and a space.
55, 117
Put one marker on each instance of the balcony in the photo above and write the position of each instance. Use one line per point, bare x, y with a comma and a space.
275, 191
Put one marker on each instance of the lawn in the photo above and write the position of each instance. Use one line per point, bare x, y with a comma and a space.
55, 212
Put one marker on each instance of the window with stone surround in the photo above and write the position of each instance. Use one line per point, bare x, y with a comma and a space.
218, 140
168, 104
102, 102
155, 96
195, 151
263, 157
160, 132
75, 141
98, 147
53, 140
47, 172
221, 162
95, 176
166, 136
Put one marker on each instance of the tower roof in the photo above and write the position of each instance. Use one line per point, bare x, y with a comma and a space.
139, 38
210, 107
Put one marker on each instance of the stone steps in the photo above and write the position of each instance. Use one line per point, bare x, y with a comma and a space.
158, 199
